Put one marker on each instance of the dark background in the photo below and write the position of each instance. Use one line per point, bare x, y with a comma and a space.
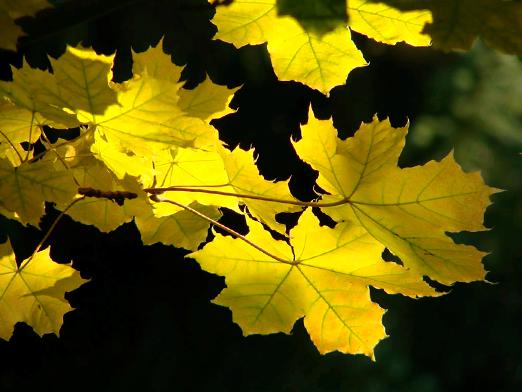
145, 322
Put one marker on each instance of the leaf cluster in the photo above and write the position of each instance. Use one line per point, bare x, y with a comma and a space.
147, 152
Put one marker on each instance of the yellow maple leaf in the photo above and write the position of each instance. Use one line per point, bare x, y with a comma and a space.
323, 274
34, 292
147, 117
408, 210
321, 61
10, 10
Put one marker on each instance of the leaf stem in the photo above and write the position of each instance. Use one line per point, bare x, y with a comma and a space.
30, 136
50, 230
221, 226
157, 191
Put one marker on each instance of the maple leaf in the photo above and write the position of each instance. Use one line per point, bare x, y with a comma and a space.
147, 117
321, 61
323, 274
10, 10
34, 292
408, 210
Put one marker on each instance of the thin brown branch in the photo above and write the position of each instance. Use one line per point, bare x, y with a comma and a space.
221, 226
157, 191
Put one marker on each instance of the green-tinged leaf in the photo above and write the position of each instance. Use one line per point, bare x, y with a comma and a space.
387, 24
324, 277
80, 83
30, 90
408, 210
321, 61
34, 292
182, 229
206, 101
24, 189
10, 10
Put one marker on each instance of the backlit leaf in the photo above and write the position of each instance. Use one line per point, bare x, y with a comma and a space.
408, 210
387, 24
325, 278
321, 61
79, 84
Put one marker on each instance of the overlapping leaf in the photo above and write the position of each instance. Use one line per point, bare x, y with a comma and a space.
408, 210
220, 178
387, 24
322, 275
17, 125
25, 189
182, 229
79, 84
34, 292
